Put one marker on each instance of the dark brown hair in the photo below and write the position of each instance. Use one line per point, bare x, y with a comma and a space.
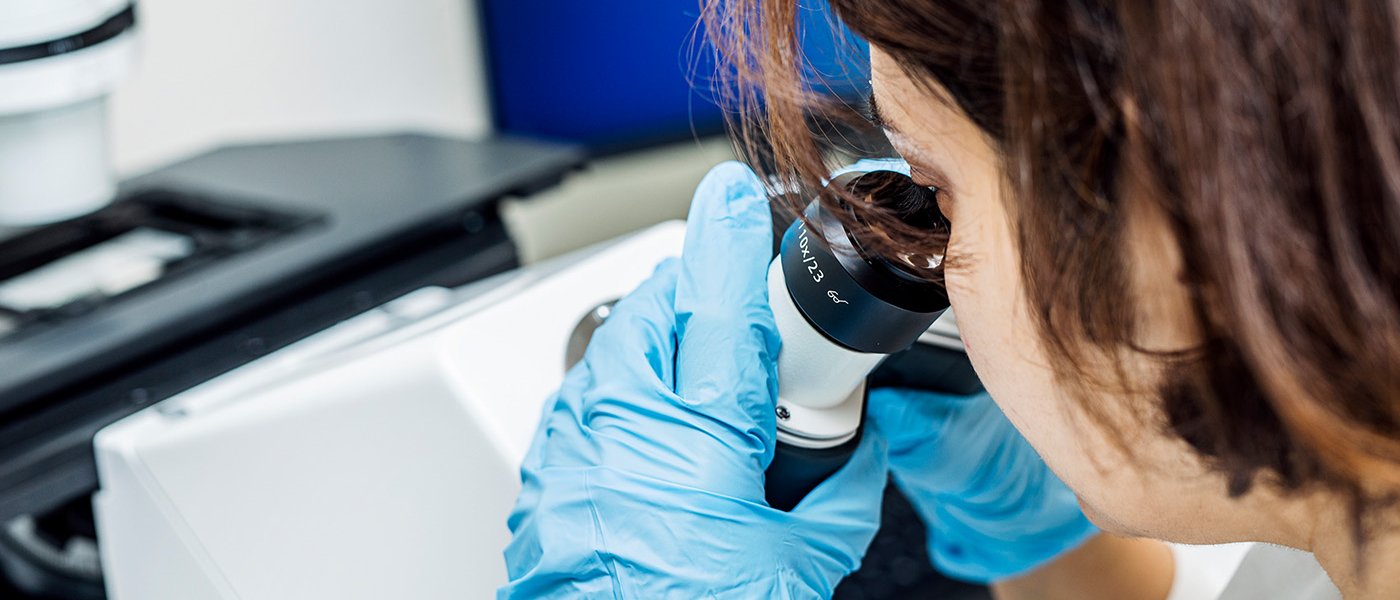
1268, 135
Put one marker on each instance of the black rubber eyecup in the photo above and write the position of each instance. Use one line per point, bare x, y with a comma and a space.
855, 299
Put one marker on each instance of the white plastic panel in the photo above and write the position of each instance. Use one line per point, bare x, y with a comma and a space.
525, 370
381, 470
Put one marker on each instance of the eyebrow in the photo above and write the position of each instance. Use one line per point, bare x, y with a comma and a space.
878, 119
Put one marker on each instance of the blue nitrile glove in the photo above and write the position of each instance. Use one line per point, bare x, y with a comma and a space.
992, 507
645, 479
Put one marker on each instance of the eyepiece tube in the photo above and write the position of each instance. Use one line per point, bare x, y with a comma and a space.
840, 311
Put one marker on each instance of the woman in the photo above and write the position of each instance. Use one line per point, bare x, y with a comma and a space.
1175, 261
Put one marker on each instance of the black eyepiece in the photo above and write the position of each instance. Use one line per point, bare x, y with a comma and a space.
862, 299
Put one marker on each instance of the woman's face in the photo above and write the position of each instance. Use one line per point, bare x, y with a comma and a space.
1162, 489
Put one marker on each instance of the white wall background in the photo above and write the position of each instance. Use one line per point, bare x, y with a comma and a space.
214, 72
219, 71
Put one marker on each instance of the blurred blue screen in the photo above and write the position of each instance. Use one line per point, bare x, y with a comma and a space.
616, 75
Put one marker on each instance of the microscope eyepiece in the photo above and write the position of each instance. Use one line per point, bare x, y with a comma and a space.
859, 298
852, 298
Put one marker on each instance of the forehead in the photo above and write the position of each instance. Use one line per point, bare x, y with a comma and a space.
924, 123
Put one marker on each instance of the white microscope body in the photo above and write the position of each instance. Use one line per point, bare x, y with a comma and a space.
378, 459
58, 61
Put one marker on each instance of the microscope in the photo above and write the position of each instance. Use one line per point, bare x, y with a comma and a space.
842, 309
381, 457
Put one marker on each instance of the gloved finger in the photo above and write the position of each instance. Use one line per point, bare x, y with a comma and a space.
630, 363
558, 427
630, 416
633, 420
561, 439
841, 515
728, 342
857, 482
634, 350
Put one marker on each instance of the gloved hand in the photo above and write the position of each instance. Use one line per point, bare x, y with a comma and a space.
645, 479
992, 508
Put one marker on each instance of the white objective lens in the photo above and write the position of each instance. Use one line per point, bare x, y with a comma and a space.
54, 163
820, 383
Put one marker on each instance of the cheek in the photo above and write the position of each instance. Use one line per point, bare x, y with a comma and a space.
984, 287
1118, 494
1160, 490
1002, 342
1002, 346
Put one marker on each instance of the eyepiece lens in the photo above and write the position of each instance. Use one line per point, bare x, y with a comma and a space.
915, 210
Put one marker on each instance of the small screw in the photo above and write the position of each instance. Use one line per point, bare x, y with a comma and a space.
783, 413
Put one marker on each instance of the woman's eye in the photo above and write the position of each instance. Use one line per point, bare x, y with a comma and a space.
943, 203
922, 178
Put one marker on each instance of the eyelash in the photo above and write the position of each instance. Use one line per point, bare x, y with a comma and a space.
943, 202
924, 179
